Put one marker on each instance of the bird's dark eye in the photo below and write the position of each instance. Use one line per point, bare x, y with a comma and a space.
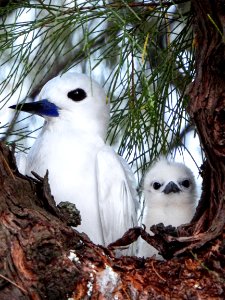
77, 95
185, 183
156, 185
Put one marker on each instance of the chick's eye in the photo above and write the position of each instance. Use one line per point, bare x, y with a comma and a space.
156, 185
77, 95
186, 183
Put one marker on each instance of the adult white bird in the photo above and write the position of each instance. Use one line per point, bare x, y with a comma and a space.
169, 197
82, 168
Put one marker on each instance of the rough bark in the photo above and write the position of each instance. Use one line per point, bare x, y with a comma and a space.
34, 242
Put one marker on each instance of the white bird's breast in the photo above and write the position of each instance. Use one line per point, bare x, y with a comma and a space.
71, 162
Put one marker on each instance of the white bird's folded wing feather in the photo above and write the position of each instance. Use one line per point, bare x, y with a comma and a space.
117, 195
21, 160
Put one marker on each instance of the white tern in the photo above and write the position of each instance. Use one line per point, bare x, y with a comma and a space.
169, 197
82, 168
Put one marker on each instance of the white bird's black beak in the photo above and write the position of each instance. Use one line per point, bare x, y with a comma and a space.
171, 187
41, 108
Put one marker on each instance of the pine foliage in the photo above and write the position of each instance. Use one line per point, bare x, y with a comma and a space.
140, 51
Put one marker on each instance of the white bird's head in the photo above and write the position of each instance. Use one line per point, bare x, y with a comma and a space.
168, 183
73, 98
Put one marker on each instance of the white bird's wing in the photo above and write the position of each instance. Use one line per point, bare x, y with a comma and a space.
117, 195
21, 160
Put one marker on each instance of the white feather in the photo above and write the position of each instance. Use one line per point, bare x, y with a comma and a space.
113, 185
21, 160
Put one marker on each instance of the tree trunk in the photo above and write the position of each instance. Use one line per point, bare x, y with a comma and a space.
207, 108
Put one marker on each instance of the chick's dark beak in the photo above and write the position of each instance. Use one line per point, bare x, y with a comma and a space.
171, 187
